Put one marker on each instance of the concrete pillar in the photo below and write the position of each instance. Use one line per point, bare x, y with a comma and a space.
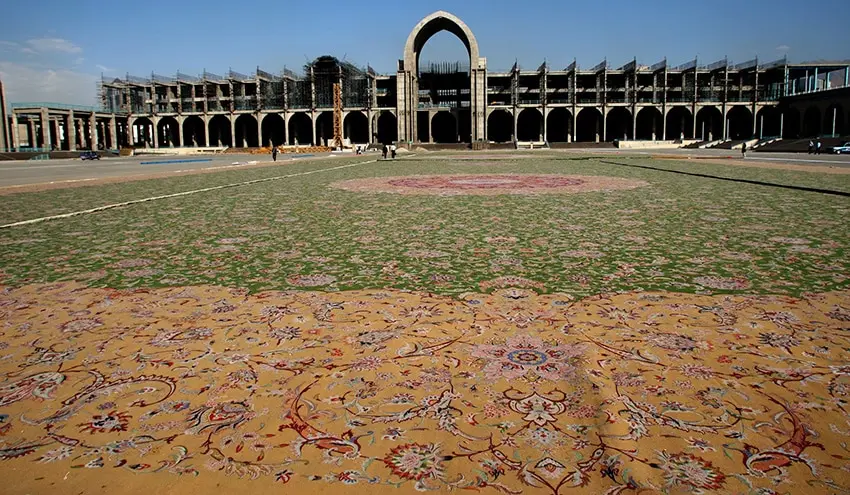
113, 142
206, 120
603, 126
155, 132
93, 127
815, 80
180, 131
16, 139
232, 131
634, 120
71, 130
57, 136
516, 124
846, 76
573, 129
33, 137
755, 120
430, 128
260, 118
45, 129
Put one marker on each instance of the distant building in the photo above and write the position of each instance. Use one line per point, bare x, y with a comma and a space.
451, 103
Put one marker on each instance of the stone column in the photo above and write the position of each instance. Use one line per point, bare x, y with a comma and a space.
260, 117
45, 129
113, 142
155, 132
232, 131
93, 127
71, 130
207, 131
16, 139
573, 127
56, 134
604, 114
180, 131
32, 137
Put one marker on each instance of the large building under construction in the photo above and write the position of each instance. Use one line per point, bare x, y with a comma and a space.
459, 102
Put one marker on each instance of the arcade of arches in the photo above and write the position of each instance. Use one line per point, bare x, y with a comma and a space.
503, 125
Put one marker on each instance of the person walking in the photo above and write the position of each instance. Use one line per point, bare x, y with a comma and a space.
384, 152
817, 147
811, 146
392, 151
274, 153
744, 149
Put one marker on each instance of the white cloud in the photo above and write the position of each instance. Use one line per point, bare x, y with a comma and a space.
25, 83
783, 48
52, 45
104, 68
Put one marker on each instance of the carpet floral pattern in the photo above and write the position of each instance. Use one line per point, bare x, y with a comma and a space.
488, 184
507, 392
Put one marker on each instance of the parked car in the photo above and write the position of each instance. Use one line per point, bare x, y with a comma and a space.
89, 155
844, 148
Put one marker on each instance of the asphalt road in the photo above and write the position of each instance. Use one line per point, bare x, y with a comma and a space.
14, 173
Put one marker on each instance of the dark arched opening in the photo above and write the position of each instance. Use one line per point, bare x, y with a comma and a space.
679, 124
529, 125
168, 132
650, 124
500, 126
193, 132
444, 128
246, 132
589, 125
740, 122
768, 123
274, 130
387, 128
619, 124
220, 131
709, 124
300, 129
558, 125
355, 128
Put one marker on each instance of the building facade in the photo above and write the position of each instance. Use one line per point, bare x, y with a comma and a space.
445, 103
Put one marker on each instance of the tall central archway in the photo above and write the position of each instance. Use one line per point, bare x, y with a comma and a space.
408, 74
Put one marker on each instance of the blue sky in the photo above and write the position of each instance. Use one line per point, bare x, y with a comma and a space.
55, 50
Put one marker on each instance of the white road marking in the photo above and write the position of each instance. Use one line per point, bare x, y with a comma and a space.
839, 161
184, 193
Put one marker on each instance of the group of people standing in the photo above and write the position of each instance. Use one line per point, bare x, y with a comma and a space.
388, 149
814, 147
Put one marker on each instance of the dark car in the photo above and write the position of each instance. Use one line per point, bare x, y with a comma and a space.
89, 155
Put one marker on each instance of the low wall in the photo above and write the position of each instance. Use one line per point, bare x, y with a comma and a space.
177, 151
654, 145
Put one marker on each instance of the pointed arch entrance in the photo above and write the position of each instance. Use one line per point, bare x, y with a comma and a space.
408, 75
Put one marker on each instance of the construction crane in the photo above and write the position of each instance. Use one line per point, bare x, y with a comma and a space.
337, 116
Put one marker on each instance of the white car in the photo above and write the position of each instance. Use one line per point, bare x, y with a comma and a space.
844, 148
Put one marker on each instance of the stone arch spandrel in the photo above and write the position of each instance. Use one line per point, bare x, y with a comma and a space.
431, 25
